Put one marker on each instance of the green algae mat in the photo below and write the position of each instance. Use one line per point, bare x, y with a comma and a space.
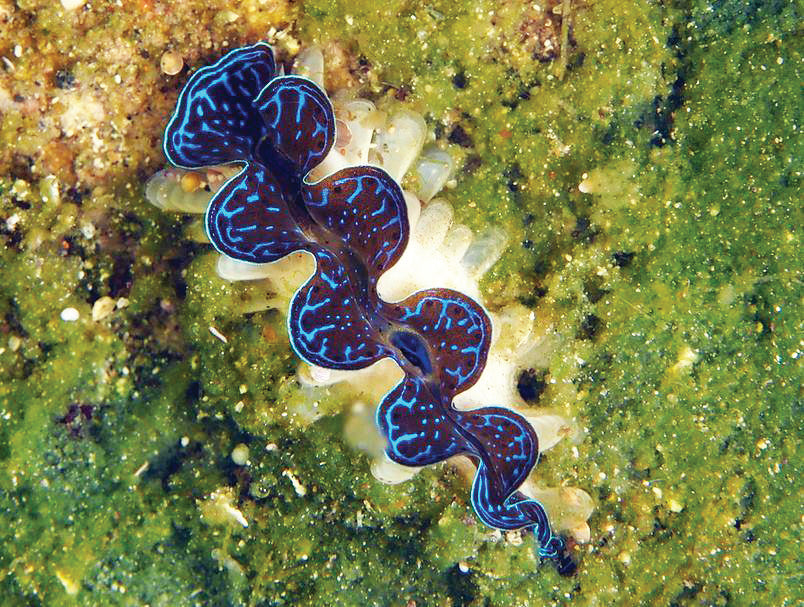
644, 159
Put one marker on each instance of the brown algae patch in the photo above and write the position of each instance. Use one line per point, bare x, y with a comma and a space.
83, 93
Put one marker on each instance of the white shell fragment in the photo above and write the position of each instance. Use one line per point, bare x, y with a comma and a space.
102, 307
457, 242
71, 5
218, 508
69, 315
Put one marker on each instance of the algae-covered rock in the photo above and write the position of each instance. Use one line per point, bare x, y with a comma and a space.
643, 159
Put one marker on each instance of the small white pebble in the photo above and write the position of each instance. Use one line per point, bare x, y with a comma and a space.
171, 63
70, 586
235, 514
240, 454
218, 334
69, 314
675, 505
229, 16
300, 489
72, 4
14, 343
102, 307
88, 230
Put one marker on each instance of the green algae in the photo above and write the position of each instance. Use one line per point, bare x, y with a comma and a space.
673, 285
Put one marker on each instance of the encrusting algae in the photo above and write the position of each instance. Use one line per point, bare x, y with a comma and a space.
649, 202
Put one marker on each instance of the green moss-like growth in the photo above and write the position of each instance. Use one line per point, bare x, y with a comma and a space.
650, 193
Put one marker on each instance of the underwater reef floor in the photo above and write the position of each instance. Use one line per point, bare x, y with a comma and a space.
156, 446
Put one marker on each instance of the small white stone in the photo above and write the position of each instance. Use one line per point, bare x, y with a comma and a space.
102, 307
235, 514
14, 343
300, 489
69, 314
71, 5
70, 585
12, 221
88, 230
675, 505
240, 454
171, 63
218, 334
